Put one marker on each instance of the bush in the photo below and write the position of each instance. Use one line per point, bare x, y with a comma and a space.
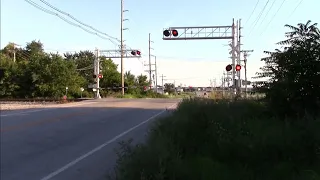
222, 140
135, 93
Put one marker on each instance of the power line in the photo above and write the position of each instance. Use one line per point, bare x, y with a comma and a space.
259, 16
253, 11
69, 15
296, 8
273, 17
64, 19
267, 12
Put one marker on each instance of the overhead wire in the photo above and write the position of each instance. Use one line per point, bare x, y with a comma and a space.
273, 17
258, 18
69, 15
66, 20
254, 9
296, 8
74, 24
264, 18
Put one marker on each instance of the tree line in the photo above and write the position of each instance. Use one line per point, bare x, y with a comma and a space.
30, 72
293, 72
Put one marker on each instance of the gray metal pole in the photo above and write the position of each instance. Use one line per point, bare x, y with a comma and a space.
156, 72
150, 68
121, 39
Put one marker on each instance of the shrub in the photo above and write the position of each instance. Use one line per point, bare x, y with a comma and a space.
222, 140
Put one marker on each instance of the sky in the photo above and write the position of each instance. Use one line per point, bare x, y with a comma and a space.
190, 63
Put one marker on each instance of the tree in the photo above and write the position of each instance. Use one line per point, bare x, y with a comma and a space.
293, 87
129, 79
35, 47
142, 80
36, 73
111, 76
84, 64
169, 87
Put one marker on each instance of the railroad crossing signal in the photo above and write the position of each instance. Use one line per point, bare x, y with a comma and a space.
134, 53
168, 33
113, 54
229, 67
238, 67
99, 76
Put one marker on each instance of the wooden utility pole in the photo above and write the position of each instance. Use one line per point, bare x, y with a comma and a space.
245, 55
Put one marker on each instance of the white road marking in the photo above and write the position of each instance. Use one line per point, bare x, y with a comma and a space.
45, 109
74, 162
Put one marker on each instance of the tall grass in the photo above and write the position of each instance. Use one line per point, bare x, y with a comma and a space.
224, 140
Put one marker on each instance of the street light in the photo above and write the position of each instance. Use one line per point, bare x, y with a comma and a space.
67, 90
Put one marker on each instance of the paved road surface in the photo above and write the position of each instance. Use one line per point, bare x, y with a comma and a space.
75, 142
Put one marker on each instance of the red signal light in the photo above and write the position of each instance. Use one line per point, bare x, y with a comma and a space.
229, 67
133, 53
166, 33
100, 76
238, 67
175, 33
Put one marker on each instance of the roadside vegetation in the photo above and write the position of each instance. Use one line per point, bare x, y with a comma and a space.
274, 138
31, 72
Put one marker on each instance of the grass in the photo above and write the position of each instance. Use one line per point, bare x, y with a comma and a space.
224, 140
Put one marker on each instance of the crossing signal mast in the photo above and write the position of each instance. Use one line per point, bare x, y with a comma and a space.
110, 54
206, 33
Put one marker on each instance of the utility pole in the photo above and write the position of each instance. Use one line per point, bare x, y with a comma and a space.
97, 72
162, 76
122, 48
239, 57
150, 65
14, 52
245, 55
223, 81
156, 72
233, 57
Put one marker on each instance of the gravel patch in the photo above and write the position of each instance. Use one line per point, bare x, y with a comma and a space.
11, 105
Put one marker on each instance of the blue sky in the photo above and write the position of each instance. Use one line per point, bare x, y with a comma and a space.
187, 62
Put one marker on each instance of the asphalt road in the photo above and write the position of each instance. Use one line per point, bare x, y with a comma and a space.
75, 142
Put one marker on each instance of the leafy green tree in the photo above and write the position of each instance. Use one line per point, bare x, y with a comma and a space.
7, 84
34, 48
293, 87
84, 64
111, 76
142, 80
130, 79
36, 73
169, 87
